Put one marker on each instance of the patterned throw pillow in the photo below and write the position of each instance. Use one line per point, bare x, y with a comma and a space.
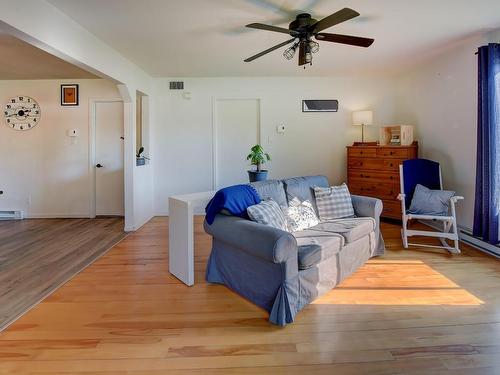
300, 215
268, 212
333, 202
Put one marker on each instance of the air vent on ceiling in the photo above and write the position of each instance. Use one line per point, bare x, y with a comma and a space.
176, 85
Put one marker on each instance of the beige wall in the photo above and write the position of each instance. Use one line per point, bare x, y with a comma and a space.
313, 143
440, 98
43, 171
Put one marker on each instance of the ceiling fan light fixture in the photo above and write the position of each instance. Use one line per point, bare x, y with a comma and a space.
314, 46
308, 54
289, 53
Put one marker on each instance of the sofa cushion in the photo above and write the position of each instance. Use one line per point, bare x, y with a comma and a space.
271, 189
316, 246
309, 255
351, 229
302, 188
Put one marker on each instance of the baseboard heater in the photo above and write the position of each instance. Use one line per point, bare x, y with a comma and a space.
467, 237
11, 215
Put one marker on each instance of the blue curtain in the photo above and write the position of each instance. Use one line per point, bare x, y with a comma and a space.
487, 203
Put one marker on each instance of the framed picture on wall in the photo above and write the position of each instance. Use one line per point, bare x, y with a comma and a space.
69, 95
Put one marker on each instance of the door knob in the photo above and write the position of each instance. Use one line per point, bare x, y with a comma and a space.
98, 165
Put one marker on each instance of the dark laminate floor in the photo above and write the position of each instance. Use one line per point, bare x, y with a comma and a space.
38, 255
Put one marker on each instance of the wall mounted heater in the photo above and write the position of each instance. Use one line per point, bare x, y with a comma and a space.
11, 215
320, 105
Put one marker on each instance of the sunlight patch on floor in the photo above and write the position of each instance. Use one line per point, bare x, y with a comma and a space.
398, 282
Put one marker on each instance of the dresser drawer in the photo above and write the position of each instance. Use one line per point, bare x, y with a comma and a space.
392, 209
393, 152
362, 152
359, 176
391, 165
374, 189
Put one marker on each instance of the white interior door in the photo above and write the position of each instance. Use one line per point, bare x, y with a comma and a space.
109, 182
237, 130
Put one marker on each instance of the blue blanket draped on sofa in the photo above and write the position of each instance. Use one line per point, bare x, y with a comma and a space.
236, 199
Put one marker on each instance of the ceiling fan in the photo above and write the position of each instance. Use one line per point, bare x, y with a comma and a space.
304, 28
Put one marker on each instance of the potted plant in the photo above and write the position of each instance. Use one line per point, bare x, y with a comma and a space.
257, 157
140, 160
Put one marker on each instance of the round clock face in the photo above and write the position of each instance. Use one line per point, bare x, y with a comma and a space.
22, 113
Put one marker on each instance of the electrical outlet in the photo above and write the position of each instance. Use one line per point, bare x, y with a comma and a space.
28, 201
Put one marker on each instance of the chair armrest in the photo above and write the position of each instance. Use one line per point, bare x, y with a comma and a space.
367, 206
263, 241
456, 198
401, 196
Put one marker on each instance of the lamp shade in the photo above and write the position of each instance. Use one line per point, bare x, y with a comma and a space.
362, 118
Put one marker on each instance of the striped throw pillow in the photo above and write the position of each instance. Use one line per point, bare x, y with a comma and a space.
268, 212
333, 202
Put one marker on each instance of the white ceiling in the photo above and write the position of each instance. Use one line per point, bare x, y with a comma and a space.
208, 38
20, 60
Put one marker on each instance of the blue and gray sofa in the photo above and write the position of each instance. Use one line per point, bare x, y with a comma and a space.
281, 271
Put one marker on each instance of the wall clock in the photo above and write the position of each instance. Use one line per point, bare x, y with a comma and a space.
22, 113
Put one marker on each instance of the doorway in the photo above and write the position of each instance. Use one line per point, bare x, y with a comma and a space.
107, 145
236, 130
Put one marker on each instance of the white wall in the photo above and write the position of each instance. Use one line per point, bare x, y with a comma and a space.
46, 27
439, 97
314, 143
42, 171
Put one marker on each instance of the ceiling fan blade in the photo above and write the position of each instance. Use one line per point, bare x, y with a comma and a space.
251, 58
277, 29
345, 39
302, 53
334, 19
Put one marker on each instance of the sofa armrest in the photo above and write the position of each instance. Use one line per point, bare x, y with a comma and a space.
263, 241
367, 206
370, 207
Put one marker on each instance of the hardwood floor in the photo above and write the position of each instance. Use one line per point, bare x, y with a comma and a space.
38, 255
408, 312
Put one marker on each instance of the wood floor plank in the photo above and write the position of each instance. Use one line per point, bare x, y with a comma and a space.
38, 255
409, 312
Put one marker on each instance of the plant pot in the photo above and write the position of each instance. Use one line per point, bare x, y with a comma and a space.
257, 175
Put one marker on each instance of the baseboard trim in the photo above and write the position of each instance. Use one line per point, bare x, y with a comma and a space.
467, 237
57, 216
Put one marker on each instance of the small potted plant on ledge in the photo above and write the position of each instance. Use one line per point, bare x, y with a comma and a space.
257, 157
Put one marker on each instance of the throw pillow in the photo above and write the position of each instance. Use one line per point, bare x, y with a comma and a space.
430, 202
268, 212
300, 215
333, 202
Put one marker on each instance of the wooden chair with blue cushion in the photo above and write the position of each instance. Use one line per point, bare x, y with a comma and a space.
423, 198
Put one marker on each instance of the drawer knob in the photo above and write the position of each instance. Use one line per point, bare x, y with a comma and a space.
390, 153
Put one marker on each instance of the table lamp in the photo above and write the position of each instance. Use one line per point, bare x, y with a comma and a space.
362, 118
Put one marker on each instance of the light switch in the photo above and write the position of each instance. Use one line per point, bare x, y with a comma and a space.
280, 129
72, 133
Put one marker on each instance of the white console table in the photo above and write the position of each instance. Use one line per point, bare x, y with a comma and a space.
180, 232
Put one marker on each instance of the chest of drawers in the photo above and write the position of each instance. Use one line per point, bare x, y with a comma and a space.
374, 171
